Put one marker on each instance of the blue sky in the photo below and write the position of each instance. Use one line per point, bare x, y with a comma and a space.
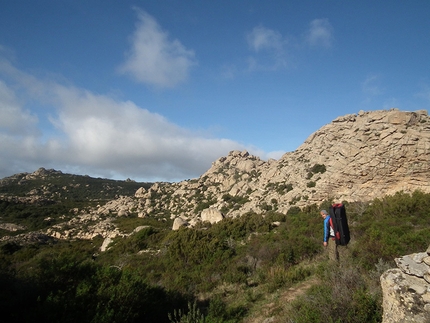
158, 90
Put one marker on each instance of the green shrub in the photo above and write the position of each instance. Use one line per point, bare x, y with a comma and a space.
391, 227
60, 281
311, 184
136, 242
281, 276
318, 168
294, 210
342, 296
193, 315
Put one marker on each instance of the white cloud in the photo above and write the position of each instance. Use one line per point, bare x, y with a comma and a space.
371, 85
155, 59
269, 48
320, 33
97, 135
273, 51
261, 38
14, 120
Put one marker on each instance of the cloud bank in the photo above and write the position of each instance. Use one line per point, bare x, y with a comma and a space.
45, 123
270, 47
78, 131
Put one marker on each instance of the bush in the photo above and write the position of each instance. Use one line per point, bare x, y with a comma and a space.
318, 168
69, 287
391, 227
342, 296
193, 315
294, 210
311, 184
233, 259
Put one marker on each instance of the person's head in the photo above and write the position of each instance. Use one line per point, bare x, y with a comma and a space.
323, 214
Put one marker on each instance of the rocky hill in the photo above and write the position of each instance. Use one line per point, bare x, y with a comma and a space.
356, 157
46, 204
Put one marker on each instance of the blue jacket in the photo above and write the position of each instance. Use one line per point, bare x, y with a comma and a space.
328, 230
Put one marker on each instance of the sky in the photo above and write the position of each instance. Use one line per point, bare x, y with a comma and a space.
159, 90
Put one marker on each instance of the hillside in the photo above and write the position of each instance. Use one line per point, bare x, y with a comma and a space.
45, 198
354, 158
55, 185
246, 239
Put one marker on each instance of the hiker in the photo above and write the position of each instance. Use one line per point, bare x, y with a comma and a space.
329, 239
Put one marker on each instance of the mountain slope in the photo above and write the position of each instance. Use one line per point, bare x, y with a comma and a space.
354, 158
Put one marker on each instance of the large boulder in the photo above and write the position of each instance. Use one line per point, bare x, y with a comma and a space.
178, 223
107, 241
406, 290
211, 215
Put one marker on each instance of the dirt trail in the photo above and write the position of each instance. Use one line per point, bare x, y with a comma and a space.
293, 292
269, 310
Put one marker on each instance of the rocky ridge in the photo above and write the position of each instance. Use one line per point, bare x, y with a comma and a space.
356, 157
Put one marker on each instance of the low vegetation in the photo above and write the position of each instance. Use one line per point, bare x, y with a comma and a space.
238, 270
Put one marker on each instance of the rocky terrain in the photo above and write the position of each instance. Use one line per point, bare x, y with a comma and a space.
356, 157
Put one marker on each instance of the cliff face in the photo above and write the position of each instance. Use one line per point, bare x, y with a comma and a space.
373, 154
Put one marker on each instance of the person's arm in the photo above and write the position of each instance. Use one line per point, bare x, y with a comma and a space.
326, 231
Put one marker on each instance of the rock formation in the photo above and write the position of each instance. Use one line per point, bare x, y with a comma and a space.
406, 290
179, 223
357, 157
211, 215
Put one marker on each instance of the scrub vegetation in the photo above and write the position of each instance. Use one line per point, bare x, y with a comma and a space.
238, 270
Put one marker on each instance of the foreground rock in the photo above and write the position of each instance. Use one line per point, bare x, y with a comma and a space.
406, 290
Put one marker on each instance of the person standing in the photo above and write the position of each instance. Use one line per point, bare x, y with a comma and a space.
329, 239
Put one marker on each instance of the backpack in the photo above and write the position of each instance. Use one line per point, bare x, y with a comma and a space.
340, 224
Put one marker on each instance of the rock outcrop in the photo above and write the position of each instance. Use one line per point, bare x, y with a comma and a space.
211, 215
179, 223
11, 227
367, 155
406, 290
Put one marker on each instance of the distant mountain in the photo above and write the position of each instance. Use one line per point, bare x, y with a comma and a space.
32, 204
55, 185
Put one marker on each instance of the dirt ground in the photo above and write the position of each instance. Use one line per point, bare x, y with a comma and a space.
269, 311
